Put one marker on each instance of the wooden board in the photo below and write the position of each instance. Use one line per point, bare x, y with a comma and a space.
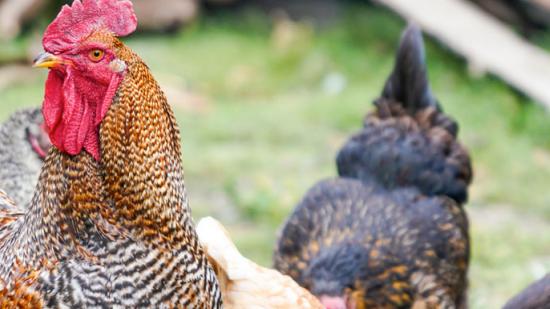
486, 43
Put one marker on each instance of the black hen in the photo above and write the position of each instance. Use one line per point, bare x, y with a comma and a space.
535, 296
390, 232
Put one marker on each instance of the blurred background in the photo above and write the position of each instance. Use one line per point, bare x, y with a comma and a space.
267, 91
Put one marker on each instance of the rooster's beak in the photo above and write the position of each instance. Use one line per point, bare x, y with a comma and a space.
46, 60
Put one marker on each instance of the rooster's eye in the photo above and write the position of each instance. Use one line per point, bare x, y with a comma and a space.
96, 55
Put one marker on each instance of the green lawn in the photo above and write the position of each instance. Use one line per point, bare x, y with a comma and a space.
261, 124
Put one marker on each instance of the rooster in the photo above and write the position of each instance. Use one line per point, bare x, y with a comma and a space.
22, 151
390, 232
109, 224
245, 284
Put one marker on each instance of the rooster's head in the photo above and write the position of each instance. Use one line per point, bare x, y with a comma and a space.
83, 52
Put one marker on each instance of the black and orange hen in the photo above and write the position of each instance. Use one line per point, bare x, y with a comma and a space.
390, 231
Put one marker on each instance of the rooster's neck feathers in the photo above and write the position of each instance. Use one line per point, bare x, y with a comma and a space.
141, 156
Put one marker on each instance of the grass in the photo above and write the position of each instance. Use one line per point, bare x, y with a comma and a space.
268, 127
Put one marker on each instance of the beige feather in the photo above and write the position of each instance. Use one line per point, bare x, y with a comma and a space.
246, 285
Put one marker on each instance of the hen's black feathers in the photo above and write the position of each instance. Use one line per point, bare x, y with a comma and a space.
398, 152
390, 231
407, 140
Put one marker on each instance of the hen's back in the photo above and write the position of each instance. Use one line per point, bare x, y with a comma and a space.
391, 247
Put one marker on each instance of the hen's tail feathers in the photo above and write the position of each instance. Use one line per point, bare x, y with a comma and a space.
408, 83
407, 91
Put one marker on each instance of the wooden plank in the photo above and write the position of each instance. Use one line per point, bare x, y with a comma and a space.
486, 43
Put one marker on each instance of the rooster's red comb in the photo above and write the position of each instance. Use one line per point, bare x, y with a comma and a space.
76, 22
